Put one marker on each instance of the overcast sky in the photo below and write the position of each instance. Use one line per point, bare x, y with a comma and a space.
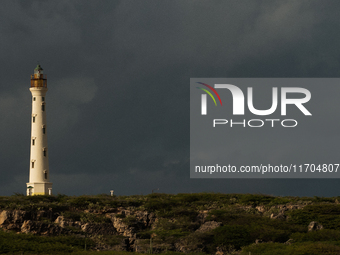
118, 78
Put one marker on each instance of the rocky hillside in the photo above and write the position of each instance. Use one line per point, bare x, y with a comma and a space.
158, 223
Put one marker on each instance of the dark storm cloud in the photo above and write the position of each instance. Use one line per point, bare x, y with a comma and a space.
118, 77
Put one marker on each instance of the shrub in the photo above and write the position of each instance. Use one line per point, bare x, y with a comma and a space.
12, 242
326, 214
129, 220
82, 202
232, 236
95, 218
257, 226
315, 236
74, 216
307, 248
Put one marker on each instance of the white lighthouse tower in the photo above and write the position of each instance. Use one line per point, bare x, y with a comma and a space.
39, 178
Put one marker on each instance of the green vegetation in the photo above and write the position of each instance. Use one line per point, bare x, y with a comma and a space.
256, 226
326, 214
12, 242
305, 248
245, 223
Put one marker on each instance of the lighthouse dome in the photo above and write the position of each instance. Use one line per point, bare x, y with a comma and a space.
38, 70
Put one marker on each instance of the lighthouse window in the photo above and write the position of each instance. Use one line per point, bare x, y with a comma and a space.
33, 119
32, 164
45, 175
45, 153
43, 107
44, 129
43, 98
33, 141
33, 98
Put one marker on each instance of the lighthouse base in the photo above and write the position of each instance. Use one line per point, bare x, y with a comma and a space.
39, 188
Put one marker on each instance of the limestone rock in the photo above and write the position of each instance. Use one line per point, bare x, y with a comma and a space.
36, 227
63, 222
314, 225
225, 250
99, 229
209, 225
294, 207
146, 218
5, 217
143, 220
219, 251
202, 215
290, 241
261, 208
12, 220
279, 216
185, 245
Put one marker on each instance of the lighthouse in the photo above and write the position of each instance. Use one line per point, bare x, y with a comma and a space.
39, 176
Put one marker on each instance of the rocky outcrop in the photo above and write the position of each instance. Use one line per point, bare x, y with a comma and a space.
99, 229
209, 225
261, 208
27, 222
13, 220
88, 228
294, 207
36, 227
123, 228
63, 222
139, 221
280, 216
145, 218
289, 241
186, 245
280, 210
119, 228
314, 225
202, 215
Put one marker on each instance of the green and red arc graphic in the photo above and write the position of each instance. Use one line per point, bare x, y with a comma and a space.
208, 92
